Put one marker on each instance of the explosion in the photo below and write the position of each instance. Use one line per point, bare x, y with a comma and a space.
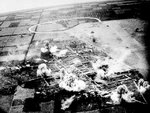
71, 82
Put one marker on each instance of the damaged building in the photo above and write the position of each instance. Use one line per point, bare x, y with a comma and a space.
79, 58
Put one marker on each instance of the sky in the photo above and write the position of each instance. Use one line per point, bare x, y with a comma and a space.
16, 5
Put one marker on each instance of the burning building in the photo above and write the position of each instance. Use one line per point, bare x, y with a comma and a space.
79, 60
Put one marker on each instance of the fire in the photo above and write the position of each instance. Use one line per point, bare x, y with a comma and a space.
43, 70
71, 82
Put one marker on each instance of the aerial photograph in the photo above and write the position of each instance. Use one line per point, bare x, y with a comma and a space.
74, 56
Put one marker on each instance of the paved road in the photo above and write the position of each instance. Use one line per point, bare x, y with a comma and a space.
16, 42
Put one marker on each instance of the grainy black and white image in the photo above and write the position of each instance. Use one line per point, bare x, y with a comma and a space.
67, 56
